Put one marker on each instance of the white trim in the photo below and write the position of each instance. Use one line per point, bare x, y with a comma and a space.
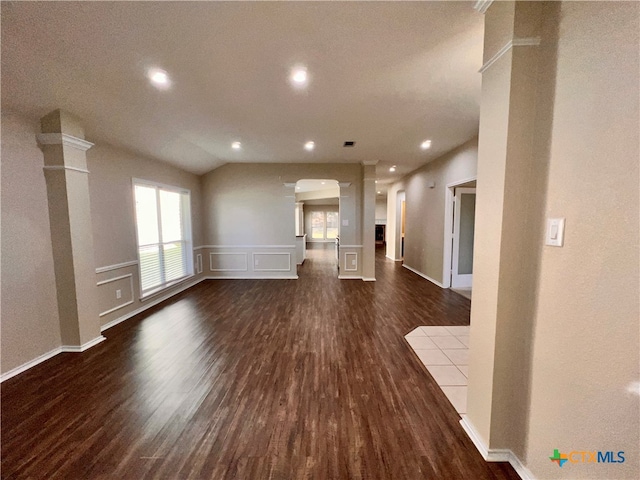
423, 275
125, 304
111, 310
64, 167
348, 277
259, 277
289, 184
63, 139
165, 287
448, 228
253, 258
344, 184
137, 311
31, 363
393, 259
482, 5
198, 248
116, 266
495, 454
199, 265
346, 264
516, 42
247, 246
459, 280
84, 347
367, 279
349, 246
114, 279
369, 162
246, 262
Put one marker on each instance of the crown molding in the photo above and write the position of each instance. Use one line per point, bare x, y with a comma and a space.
63, 139
482, 5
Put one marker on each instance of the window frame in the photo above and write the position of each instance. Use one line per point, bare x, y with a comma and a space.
187, 241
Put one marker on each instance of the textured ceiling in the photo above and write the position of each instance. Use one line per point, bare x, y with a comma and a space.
385, 74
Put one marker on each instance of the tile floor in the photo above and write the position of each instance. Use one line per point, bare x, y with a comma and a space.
445, 353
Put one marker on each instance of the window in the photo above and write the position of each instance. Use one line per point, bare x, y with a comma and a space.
324, 225
163, 224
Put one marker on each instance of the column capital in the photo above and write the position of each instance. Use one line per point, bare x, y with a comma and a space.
63, 139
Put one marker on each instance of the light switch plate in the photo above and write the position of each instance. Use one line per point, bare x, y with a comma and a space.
555, 232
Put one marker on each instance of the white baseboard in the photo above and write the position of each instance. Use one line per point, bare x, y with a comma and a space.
495, 454
346, 277
82, 348
423, 275
367, 279
393, 259
148, 304
247, 277
31, 363
50, 354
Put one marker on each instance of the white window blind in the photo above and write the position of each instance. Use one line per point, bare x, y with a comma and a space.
164, 235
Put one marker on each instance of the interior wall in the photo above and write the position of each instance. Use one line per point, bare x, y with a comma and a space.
307, 218
113, 221
587, 327
424, 224
381, 211
30, 323
250, 211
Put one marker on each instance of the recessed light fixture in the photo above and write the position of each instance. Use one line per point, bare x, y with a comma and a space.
376, 181
236, 145
379, 193
322, 183
299, 77
425, 145
393, 168
309, 146
297, 188
159, 78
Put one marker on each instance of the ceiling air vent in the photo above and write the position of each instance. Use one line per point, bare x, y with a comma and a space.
349, 144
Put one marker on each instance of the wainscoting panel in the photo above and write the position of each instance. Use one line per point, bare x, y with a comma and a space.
271, 262
115, 293
228, 262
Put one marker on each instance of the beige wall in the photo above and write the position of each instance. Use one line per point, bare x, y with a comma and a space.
250, 205
113, 221
30, 325
381, 211
425, 209
586, 343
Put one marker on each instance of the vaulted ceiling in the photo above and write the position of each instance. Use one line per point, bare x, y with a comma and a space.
387, 75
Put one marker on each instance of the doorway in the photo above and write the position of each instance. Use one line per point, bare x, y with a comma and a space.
458, 236
317, 224
401, 211
463, 232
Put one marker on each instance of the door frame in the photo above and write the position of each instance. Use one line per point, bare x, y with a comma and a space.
448, 228
464, 280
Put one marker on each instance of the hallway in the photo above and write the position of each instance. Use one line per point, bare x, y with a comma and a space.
252, 379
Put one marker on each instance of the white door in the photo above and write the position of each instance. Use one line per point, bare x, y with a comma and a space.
463, 230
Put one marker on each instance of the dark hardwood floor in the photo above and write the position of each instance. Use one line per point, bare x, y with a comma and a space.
251, 379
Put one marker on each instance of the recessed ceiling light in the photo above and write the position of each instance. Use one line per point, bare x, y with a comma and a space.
236, 145
159, 78
297, 188
322, 183
376, 181
309, 146
299, 77
392, 169
379, 193
425, 145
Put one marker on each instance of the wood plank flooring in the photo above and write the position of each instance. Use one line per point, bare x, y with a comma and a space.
251, 379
